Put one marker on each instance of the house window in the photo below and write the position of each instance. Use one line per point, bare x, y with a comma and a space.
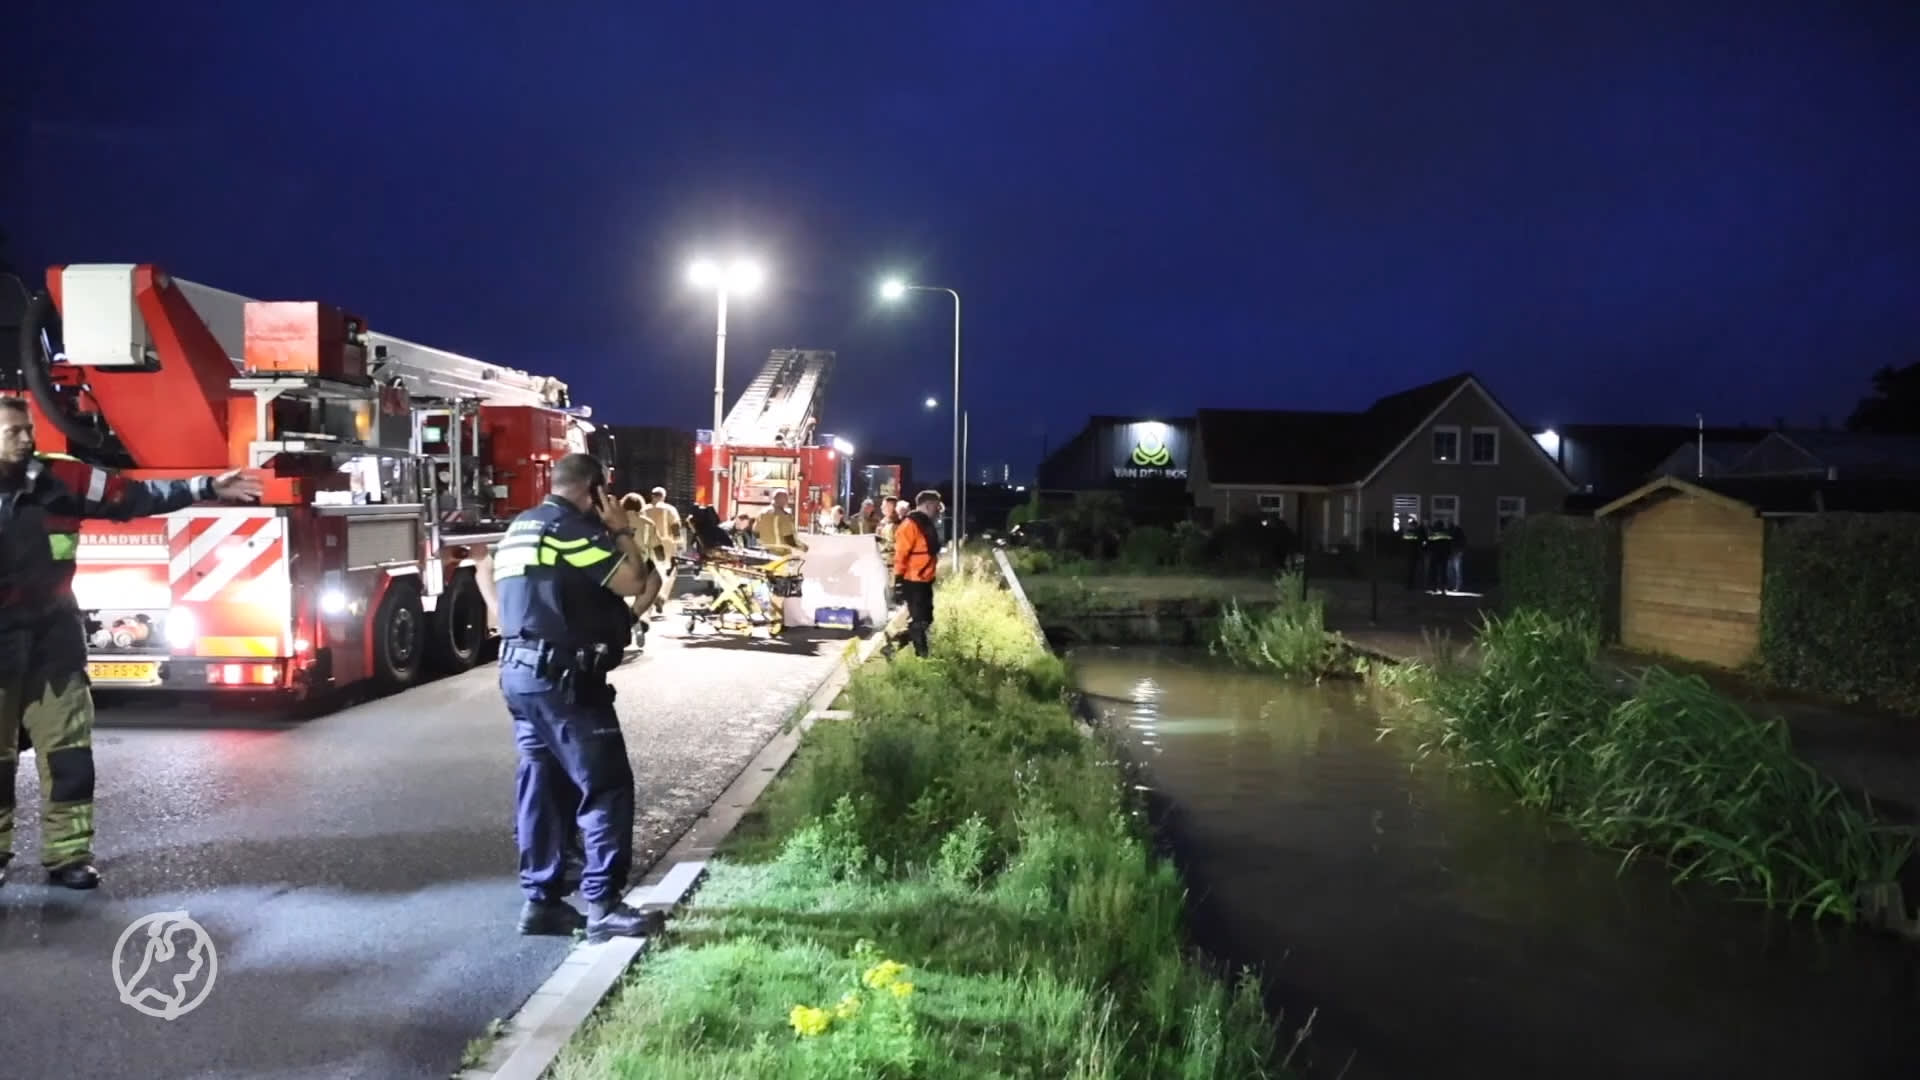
1443, 510
1346, 517
1446, 445
1273, 505
1510, 508
1484, 447
1405, 508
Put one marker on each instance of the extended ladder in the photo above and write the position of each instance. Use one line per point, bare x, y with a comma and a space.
782, 405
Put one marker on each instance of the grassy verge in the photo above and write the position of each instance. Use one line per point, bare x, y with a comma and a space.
951, 883
1671, 769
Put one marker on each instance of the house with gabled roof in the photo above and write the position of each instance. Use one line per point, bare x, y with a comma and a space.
1444, 451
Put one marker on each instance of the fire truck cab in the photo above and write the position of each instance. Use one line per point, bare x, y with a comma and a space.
390, 467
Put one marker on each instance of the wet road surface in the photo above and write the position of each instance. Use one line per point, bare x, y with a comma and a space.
354, 872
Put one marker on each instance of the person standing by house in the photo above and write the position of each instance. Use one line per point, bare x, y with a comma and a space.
1456, 557
867, 522
1413, 539
916, 558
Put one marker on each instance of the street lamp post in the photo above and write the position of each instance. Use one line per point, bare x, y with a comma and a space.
893, 290
742, 276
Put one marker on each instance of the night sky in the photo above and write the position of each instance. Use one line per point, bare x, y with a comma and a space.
1611, 211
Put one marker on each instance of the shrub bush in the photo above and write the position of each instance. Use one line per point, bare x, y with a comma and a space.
1148, 547
1840, 607
1565, 567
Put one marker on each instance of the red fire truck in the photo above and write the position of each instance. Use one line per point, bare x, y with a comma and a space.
769, 444
389, 468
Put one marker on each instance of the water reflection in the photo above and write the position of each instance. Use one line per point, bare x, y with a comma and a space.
1441, 931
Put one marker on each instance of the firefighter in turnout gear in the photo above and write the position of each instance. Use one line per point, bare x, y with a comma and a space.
560, 581
45, 697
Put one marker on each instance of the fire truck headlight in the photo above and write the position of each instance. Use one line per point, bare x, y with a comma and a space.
182, 628
332, 602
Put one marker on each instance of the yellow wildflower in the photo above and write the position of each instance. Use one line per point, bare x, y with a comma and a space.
807, 1020
902, 989
883, 974
849, 1006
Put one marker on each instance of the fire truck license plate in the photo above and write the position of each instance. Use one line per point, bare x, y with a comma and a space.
123, 672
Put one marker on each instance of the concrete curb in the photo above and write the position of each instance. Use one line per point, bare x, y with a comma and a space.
548, 1021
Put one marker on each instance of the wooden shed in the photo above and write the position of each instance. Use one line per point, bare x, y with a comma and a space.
1691, 565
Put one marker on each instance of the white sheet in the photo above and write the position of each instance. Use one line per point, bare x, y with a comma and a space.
841, 570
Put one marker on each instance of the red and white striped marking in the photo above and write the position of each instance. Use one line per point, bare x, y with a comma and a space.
207, 553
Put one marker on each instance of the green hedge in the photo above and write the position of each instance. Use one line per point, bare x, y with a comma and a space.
1840, 610
1563, 566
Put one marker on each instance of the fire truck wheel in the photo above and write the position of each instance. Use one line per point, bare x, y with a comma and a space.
459, 626
399, 634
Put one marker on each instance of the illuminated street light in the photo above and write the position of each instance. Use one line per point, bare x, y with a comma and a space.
742, 276
893, 289
933, 403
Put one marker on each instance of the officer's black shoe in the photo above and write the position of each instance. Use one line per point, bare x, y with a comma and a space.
75, 876
550, 918
620, 921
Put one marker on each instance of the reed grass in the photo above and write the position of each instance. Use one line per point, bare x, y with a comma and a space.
1290, 638
1670, 769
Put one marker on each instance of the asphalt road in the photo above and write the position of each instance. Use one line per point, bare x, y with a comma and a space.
354, 872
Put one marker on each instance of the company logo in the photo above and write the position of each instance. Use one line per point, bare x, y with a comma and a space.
1150, 450
164, 965
1152, 458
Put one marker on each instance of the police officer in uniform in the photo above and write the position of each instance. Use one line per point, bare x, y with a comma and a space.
561, 579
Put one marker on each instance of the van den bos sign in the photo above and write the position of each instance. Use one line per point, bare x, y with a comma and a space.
1152, 458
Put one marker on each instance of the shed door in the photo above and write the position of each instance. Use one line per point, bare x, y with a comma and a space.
1690, 581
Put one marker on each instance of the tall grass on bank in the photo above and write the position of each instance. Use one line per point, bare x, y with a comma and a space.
1290, 639
1672, 769
954, 884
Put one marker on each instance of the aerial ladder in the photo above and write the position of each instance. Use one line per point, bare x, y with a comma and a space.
770, 442
389, 468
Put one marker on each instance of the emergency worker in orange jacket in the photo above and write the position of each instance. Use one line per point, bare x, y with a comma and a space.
916, 557
45, 698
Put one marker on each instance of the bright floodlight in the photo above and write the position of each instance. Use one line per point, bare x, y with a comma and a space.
933, 403
744, 276
842, 447
893, 289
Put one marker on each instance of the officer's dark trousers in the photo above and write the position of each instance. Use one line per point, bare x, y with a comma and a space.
573, 769
919, 598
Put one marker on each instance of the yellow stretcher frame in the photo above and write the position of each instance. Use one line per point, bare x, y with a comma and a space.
751, 598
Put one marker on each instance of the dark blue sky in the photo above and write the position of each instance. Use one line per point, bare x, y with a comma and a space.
1612, 211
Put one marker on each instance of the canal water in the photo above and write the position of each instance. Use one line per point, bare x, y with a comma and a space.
1439, 931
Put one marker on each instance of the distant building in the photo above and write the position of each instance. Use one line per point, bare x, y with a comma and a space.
1144, 460
1444, 451
648, 457
1605, 461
